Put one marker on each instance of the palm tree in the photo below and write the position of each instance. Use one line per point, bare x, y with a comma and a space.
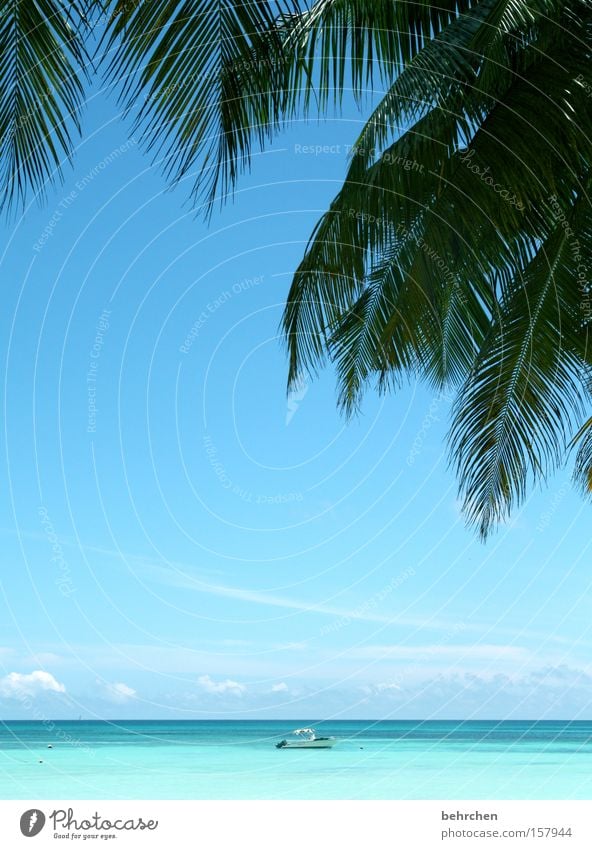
459, 248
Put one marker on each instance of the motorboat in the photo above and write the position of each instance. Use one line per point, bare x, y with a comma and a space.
306, 738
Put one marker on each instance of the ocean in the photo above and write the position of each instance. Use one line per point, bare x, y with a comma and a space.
238, 760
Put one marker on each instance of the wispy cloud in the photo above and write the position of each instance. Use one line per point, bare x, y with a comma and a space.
221, 688
119, 692
386, 686
184, 580
415, 654
182, 575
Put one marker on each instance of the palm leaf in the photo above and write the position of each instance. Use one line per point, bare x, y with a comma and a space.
446, 210
583, 464
370, 216
527, 388
42, 64
209, 78
216, 80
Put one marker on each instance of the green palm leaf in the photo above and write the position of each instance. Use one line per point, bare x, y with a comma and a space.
459, 247
583, 464
209, 79
42, 64
444, 208
216, 80
527, 388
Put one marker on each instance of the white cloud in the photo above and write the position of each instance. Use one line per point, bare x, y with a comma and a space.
17, 684
120, 692
282, 687
549, 693
220, 688
385, 686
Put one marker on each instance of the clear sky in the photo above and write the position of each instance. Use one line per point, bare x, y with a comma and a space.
180, 539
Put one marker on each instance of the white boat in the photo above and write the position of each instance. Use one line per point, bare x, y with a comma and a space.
306, 738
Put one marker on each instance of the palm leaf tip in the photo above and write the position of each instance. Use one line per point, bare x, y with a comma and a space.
43, 60
212, 79
583, 462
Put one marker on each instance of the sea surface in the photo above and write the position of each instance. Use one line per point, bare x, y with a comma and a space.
238, 760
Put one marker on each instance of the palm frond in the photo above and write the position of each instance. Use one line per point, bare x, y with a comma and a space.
527, 388
210, 78
583, 464
43, 61
339, 43
473, 56
372, 215
358, 347
217, 80
459, 223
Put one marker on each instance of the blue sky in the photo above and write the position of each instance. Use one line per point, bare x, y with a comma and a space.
180, 539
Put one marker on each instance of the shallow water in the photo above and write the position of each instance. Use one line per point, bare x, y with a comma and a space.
238, 760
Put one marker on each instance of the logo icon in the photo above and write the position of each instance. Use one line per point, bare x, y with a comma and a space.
32, 822
295, 397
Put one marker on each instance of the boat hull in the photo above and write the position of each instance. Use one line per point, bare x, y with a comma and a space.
319, 743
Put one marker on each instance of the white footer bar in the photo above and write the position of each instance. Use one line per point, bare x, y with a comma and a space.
297, 824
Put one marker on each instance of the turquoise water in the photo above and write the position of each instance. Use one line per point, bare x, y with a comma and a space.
237, 760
